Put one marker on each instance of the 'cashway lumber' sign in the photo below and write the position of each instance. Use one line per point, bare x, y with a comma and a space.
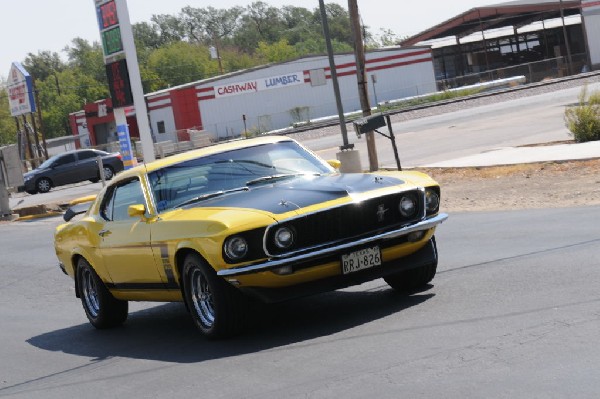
252, 86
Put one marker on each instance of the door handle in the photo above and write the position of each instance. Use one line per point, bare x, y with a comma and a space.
103, 233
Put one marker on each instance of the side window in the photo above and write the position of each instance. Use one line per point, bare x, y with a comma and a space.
64, 160
117, 202
87, 155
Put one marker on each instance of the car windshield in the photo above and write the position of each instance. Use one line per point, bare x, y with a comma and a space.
48, 162
222, 173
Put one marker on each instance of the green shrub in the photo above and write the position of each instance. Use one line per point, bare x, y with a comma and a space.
583, 120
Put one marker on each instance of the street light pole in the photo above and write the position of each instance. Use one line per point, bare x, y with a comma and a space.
334, 78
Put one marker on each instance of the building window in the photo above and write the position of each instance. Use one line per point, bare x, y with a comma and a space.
160, 126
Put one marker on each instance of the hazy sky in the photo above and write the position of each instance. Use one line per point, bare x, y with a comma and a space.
29, 26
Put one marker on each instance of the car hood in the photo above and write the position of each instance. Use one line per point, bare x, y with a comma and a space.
300, 192
31, 173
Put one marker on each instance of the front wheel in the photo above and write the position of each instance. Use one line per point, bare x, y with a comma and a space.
43, 185
101, 308
415, 278
217, 308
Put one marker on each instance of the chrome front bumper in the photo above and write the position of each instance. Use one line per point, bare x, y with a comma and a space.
274, 263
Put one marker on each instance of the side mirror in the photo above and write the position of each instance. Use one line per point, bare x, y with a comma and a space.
76, 209
334, 163
136, 210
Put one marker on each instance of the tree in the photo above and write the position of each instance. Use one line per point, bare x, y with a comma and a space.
170, 28
8, 129
43, 64
180, 63
147, 36
87, 58
276, 52
339, 22
259, 23
207, 25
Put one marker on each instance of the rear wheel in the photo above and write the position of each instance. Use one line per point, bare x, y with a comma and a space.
101, 308
108, 172
43, 185
414, 278
217, 308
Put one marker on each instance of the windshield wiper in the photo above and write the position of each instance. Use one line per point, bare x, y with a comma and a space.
210, 195
279, 176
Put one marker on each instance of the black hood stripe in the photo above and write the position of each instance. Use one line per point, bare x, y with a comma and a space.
300, 192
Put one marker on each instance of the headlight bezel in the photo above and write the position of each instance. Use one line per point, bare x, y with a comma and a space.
291, 237
231, 248
410, 200
432, 200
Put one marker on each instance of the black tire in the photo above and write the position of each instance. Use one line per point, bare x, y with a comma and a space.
218, 309
95, 180
43, 185
101, 308
31, 192
414, 278
108, 172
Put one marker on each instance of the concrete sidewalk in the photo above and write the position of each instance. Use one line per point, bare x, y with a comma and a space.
527, 154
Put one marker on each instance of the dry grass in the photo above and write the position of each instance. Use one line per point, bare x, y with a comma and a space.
536, 185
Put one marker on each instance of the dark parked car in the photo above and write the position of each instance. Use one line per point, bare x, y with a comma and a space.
72, 167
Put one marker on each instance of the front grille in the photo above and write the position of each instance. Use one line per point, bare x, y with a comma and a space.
347, 222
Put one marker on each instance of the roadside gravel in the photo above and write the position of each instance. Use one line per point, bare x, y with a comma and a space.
524, 186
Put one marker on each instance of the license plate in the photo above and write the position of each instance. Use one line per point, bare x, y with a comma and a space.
360, 260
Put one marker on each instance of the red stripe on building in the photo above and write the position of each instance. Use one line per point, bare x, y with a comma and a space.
387, 66
378, 68
382, 59
592, 4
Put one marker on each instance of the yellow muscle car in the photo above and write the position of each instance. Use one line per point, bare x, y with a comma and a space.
263, 218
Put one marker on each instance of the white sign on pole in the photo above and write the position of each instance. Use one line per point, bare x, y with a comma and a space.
20, 91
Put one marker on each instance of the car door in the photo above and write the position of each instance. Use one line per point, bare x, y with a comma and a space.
125, 241
87, 164
63, 170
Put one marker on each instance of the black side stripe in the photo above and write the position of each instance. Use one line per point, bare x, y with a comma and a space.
164, 256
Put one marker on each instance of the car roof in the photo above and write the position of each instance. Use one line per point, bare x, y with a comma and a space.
201, 152
80, 150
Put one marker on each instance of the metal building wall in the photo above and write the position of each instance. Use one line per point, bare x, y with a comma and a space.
590, 10
400, 73
160, 109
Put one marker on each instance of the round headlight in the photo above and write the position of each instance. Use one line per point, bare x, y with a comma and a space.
284, 237
236, 247
432, 201
408, 206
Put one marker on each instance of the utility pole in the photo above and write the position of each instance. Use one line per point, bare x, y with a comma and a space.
363, 94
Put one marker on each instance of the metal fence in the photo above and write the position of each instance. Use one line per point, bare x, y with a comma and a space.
533, 71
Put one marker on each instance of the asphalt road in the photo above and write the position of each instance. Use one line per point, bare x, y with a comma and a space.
513, 313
